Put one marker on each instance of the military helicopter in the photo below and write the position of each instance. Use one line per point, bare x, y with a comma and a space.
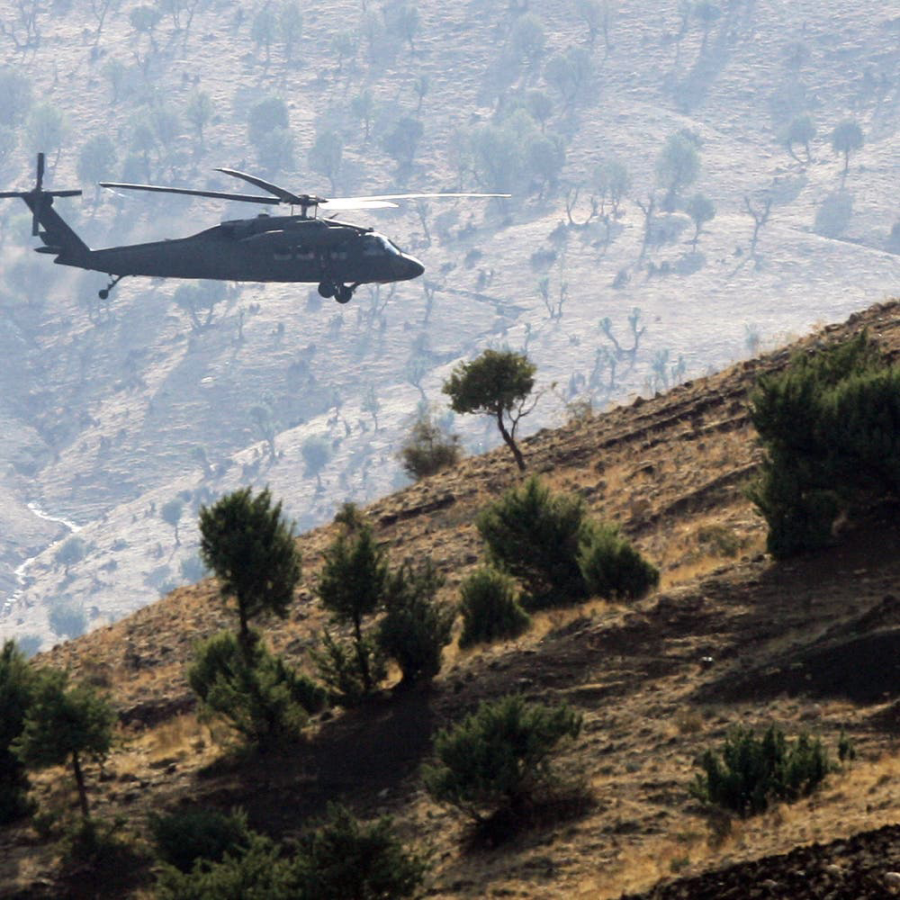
303, 247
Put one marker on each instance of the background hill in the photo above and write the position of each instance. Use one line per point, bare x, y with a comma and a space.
112, 413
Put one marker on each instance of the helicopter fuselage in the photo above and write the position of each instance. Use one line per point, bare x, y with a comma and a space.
265, 248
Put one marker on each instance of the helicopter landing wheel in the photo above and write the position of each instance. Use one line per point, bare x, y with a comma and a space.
327, 289
104, 293
343, 293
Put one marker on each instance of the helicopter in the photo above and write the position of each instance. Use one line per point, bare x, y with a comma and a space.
300, 247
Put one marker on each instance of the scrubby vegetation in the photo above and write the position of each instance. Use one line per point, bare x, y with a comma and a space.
751, 772
559, 555
343, 859
256, 693
830, 425
500, 757
490, 608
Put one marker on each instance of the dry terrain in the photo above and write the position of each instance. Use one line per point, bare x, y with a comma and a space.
730, 637
109, 414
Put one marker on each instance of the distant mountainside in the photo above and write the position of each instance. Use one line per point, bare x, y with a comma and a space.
111, 412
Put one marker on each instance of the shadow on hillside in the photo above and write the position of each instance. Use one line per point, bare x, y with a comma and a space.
359, 758
840, 608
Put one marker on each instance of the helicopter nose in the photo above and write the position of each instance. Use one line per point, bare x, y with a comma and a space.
410, 268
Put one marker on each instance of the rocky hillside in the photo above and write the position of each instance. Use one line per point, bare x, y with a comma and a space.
113, 413
730, 638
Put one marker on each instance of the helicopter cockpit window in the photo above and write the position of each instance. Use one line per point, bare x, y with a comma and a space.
376, 245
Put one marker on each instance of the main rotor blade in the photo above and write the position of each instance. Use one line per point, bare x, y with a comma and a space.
285, 196
345, 203
223, 195
434, 196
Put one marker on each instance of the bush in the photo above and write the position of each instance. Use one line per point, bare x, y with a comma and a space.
535, 536
181, 838
750, 772
499, 757
342, 860
830, 425
341, 665
611, 567
428, 449
260, 872
558, 554
490, 609
17, 687
351, 586
347, 860
255, 692
416, 628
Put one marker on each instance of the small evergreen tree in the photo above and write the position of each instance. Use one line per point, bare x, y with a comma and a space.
259, 872
65, 725
351, 586
171, 513
497, 383
18, 682
846, 138
749, 772
185, 836
415, 628
259, 696
534, 536
490, 609
611, 567
830, 424
252, 551
345, 859
500, 756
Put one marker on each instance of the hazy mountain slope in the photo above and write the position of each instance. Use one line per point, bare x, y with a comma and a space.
121, 401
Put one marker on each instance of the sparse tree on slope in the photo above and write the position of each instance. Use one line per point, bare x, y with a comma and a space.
497, 383
63, 725
251, 548
846, 138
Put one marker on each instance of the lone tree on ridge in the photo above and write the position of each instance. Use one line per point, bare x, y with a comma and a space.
497, 383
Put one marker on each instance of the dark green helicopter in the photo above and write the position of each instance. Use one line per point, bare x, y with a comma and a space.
337, 256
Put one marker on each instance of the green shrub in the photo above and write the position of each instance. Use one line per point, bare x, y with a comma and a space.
559, 555
348, 860
341, 664
490, 609
428, 449
830, 425
341, 860
351, 587
611, 567
183, 837
415, 628
17, 686
534, 535
255, 692
500, 756
259, 872
750, 772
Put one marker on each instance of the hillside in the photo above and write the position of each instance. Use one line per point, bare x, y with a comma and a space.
810, 644
112, 412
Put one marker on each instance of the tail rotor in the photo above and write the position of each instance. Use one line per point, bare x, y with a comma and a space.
37, 198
